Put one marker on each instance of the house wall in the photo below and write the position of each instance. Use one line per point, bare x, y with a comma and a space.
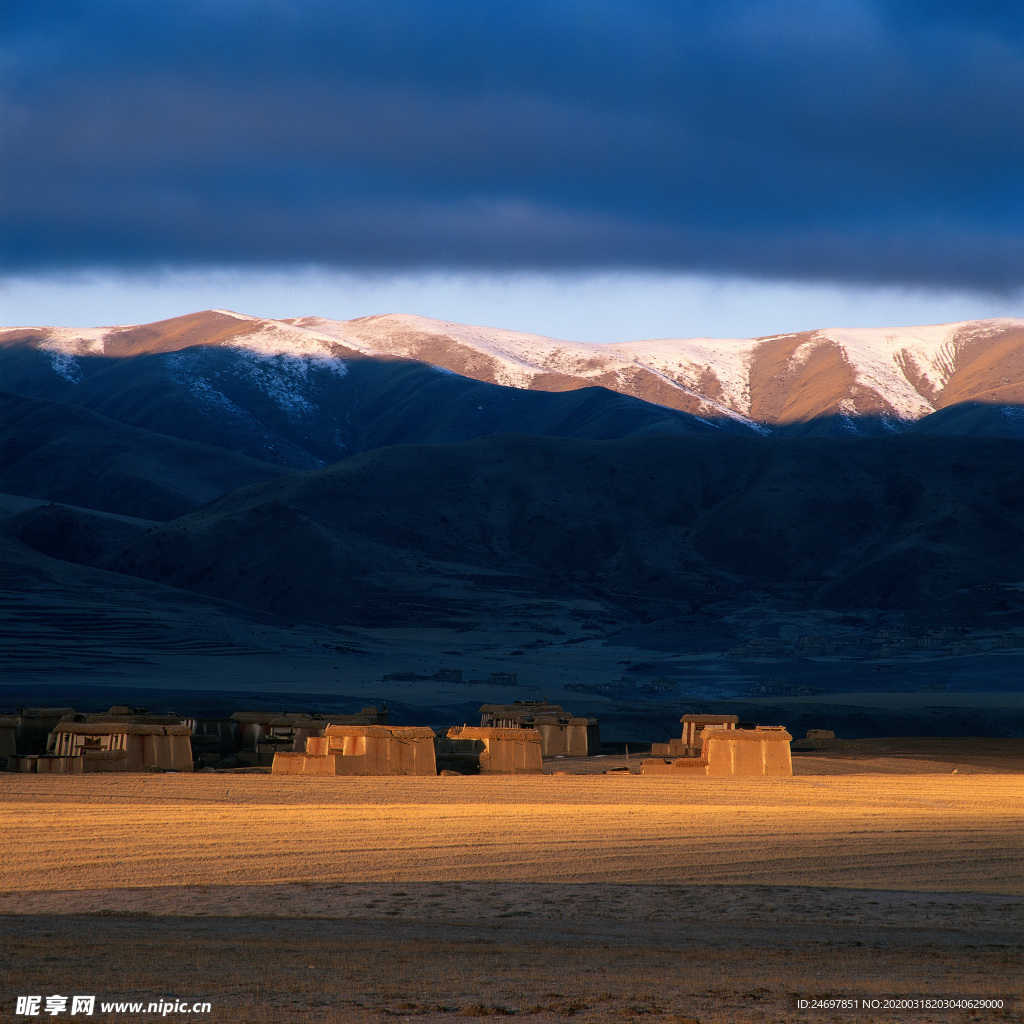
8, 738
761, 751
674, 748
104, 761
33, 728
583, 737
363, 750
48, 765
250, 734
393, 755
223, 728
164, 747
505, 751
553, 740
512, 757
694, 727
684, 767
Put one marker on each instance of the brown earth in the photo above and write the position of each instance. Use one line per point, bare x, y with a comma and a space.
604, 899
897, 755
888, 832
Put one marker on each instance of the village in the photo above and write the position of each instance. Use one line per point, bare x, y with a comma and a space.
517, 738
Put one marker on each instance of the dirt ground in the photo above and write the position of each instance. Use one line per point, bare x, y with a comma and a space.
897, 755
602, 898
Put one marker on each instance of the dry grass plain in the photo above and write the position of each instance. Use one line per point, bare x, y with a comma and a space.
603, 898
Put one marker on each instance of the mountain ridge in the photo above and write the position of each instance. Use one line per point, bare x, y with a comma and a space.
896, 376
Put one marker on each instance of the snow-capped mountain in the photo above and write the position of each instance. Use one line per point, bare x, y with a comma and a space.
210, 415
891, 376
295, 396
898, 373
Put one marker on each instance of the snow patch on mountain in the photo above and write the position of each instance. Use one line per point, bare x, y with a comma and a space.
66, 366
878, 357
515, 358
65, 344
187, 370
275, 340
237, 316
687, 362
75, 341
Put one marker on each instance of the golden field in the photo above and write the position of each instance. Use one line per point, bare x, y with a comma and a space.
921, 832
602, 898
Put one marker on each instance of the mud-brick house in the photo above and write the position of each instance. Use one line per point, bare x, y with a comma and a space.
215, 734
8, 737
122, 746
262, 734
33, 726
763, 750
561, 734
691, 742
255, 727
473, 749
363, 750
816, 739
47, 764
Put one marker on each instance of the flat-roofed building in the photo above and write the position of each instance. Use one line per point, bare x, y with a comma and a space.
8, 736
470, 749
263, 734
33, 727
561, 734
363, 750
763, 750
694, 727
123, 746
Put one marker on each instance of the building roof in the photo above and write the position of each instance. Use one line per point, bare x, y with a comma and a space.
711, 719
521, 708
8, 722
477, 732
367, 716
275, 717
398, 732
762, 732
118, 728
137, 719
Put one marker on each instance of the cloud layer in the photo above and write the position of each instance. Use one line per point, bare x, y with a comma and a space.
843, 141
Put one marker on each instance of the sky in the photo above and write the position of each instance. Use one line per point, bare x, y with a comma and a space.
579, 168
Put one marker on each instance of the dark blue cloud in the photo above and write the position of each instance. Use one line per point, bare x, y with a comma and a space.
834, 140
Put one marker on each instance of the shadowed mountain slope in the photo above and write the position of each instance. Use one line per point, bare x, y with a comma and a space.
640, 527
307, 410
66, 454
72, 534
300, 391
974, 418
